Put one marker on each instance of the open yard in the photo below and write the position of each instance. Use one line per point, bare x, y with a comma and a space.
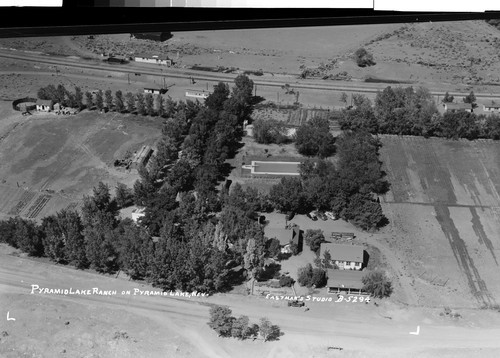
48, 162
443, 208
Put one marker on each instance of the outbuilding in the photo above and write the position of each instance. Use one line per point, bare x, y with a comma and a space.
154, 59
457, 107
345, 257
44, 105
345, 281
491, 107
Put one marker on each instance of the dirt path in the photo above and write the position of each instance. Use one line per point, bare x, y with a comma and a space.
360, 329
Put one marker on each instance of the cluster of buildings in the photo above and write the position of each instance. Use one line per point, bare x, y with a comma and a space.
486, 107
45, 105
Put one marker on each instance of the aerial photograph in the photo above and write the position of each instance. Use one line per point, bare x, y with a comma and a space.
329, 191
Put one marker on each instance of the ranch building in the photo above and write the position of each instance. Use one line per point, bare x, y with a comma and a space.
193, 93
491, 107
345, 281
154, 59
44, 105
345, 257
457, 107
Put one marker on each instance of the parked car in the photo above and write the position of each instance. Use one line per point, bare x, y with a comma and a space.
289, 215
312, 215
322, 216
330, 215
262, 219
296, 304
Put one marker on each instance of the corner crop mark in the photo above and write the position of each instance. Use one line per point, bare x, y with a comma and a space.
465, 262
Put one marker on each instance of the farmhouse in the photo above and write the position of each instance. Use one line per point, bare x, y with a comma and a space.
346, 257
153, 90
456, 107
141, 157
155, 59
491, 107
194, 93
348, 281
43, 105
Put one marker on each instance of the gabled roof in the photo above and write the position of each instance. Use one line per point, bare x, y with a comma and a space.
43, 102
492, 104
342, 252
345, 279
458, 106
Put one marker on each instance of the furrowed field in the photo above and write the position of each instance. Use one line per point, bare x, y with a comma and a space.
444, 209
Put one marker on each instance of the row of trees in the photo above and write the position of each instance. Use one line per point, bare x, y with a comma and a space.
222, 321
201, 233
143, 104
405, 111
346, 188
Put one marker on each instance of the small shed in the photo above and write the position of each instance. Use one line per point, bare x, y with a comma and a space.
194, 93
153, 90
141, 157
44, 105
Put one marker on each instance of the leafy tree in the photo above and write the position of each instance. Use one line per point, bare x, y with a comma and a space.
221, 320
216, 99
240, 327
360, 117
28, 237
460, 124
447, 98
364, 58
309, 276
343, 98
130, 99
140, 104
286, 281
377, 284
119, 105
7, 232
181, 176
89, 100
363, 212
288, 195
273, 247
471, 98
124, 196
135, 249
61, 95
254, 256
149, 103
269, 131
313, 138
313, 239
159, 105
99, 101
47, 93
79, 98
108, 98
268, 331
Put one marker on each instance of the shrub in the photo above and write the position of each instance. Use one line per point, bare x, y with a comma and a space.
364, 58
377, 284
286, 281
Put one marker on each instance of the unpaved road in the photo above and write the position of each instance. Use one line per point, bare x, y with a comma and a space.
362, 330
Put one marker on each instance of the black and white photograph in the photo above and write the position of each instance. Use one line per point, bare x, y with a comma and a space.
238, 189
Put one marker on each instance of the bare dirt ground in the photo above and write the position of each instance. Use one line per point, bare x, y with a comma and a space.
65, 155
443, 209
50, 325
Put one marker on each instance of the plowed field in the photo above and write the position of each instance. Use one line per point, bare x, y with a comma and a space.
445, 219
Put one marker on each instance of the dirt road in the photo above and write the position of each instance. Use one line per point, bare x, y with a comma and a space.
360, 329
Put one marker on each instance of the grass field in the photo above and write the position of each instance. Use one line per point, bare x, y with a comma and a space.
444, 209
49, 162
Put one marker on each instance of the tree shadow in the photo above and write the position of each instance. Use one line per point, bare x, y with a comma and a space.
254, 100
383, 222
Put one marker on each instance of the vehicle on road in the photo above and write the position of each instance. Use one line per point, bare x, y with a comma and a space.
330, 215
296, 304
312, 215
322, 216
